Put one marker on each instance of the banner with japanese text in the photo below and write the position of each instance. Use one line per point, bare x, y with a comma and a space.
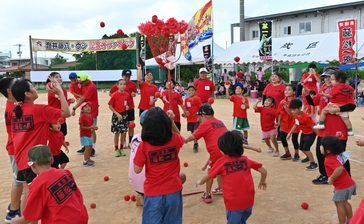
347, 31
199, 29
83, 45
265, 44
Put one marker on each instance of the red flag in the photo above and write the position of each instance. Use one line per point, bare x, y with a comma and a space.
347, 31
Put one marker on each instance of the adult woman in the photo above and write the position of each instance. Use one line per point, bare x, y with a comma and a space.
275, 88
147, 90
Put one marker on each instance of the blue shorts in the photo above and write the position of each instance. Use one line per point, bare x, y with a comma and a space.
163, 209
239, 216
86, 141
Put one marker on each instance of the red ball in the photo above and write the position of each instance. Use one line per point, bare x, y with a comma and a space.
236, 59
304, 205
127, 197
139, 66
92, 205
157, 94
211, 100
227, 83
120, 32
106, 178
183, 115
102, 24
50, 85
133, 198
185, 164
131, 124
124, 46
154, 19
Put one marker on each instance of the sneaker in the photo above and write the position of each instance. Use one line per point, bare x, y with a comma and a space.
312, 166
217, 190
305, 160
350, 132
195, 147
319, 126
81, 151
88, 163
122, 153
117, 153
206, 198
270, 150
275, 154
320, 180
12, 215
93, 154
286, 156
295, 158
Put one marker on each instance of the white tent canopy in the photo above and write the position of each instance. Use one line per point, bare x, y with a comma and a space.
304, 48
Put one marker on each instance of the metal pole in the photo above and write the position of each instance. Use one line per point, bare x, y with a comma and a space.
31, 52
96, 58
137, 44
356, 64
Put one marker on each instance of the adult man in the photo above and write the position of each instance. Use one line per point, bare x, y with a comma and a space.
205, 88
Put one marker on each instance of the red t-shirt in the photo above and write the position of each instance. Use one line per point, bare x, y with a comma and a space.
147, 92
321, 101
239, 107
86, 121
287, 121
358, 216
193, 105
119, 101
237, 181
8, 112
211, 129
76, 88
130, 88
239, 75
342, 93
31, 129
333, 124
89, 92
55, 198
55, 142
174, 102
53, 99
162, 166
305, 123
205, 88
267, 117
277, 92
311, 83
344, 180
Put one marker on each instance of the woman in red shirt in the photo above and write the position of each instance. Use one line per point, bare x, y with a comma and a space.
274, 89
147, 90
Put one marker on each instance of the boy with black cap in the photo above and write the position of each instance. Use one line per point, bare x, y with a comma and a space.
210, 129
75, 85
53, 195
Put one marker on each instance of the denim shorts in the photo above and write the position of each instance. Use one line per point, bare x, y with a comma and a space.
165, 209
239, 216
86, 141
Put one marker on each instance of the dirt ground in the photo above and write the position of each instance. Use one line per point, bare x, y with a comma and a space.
289, 184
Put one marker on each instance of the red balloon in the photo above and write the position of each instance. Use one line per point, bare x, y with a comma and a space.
211, 100
120, 32
102, 24
127, 197
124, 46
154, 19
185, 164
236, 59
157, 94
106, 178
92, 205
133, 198
304, 205
131, 124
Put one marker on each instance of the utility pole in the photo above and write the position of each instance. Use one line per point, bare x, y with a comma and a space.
242, 20
19, 52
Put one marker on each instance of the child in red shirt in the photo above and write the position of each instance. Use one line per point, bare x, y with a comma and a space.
210, 129
192, 104
86, 128
241, 104
344, 185
147, 90
237, 180
53, 195
341, 95
158, 153
75, 85
268, 116
308, 136
118, 104
55, 143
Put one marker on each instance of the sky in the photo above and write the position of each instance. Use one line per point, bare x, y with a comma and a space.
79, 19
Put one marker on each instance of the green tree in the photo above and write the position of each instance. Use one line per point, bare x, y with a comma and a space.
57, 60
87, 61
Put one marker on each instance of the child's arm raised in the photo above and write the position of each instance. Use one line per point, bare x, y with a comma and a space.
337, 172
139, 73
263, 176
256, 104
227, 87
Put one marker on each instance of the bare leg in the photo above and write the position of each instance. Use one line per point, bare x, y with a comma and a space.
131, 132
122, 140
275, 143
341, 212
15, 196
87, 153
347, 122
349, 210
245, 134
116, 140
267, 142
219, 181
63, 165
209, 186
309, 156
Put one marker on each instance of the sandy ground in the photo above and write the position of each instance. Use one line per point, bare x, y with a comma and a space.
289, 183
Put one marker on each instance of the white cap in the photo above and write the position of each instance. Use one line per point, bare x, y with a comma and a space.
203, 70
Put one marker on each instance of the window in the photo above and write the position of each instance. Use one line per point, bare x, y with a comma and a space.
255, 34
305, 27
287, 30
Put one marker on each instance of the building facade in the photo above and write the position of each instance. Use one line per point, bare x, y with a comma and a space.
5, 59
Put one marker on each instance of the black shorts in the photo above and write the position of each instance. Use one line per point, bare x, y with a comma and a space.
131, 114
192, 126
119, 126
64, 128
306, 141
60, 159
26, 175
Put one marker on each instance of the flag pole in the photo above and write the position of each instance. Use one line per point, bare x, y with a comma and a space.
212, 43
356, 63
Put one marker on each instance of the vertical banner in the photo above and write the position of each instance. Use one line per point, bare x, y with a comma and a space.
265, 44
347, 29
207, 55
199, 29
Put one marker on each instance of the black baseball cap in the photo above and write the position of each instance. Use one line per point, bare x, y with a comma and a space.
329, 71
206, 109
126, 72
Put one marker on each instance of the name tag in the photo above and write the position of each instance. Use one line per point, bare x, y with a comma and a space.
151, 98
310, 79
243, 106
188, 104
207, 87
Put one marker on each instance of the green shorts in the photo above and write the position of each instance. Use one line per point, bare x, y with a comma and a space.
241, 123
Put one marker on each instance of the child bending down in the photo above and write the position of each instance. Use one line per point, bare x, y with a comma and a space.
344, 185
237, 180
341, 99
55, 143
